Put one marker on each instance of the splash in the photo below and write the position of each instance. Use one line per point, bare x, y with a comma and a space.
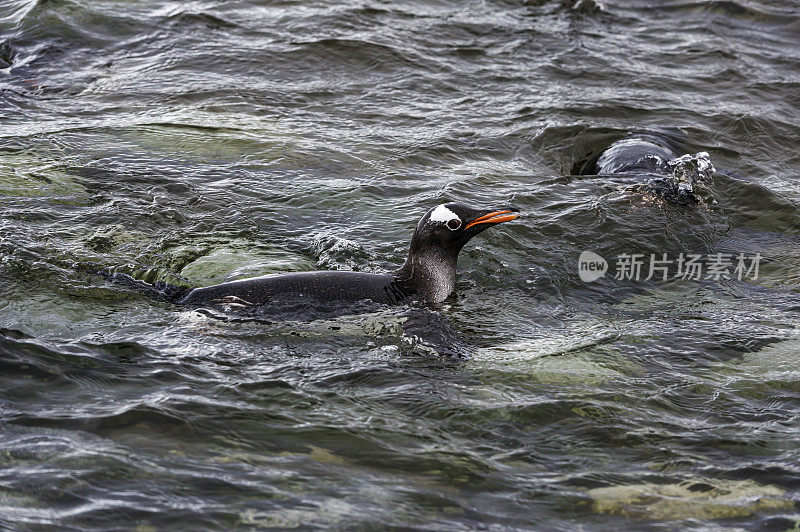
690, 170
683, 180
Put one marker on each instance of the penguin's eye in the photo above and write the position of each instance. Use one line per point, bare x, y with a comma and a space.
453, 224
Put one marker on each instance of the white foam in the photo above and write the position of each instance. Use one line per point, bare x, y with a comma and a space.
443, 214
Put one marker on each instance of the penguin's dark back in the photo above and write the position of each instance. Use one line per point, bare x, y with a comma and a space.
345, 286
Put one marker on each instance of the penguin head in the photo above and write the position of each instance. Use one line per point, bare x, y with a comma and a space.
447, 227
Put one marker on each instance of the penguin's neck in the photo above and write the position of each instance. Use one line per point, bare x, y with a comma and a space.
431, 274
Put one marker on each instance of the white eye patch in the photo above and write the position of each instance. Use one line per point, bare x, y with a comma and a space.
444, 215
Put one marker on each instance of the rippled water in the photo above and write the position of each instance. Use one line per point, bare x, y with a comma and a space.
197, 142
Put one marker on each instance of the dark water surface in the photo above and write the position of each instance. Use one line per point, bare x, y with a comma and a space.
197, 142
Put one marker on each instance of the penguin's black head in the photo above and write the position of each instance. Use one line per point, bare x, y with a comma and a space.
449, 226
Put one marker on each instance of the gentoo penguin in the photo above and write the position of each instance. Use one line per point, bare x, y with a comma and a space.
429, 273
654, 163
639, 153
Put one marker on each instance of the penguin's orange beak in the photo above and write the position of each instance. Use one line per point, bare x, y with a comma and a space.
496, 217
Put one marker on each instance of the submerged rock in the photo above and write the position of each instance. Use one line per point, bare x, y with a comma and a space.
699, 498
